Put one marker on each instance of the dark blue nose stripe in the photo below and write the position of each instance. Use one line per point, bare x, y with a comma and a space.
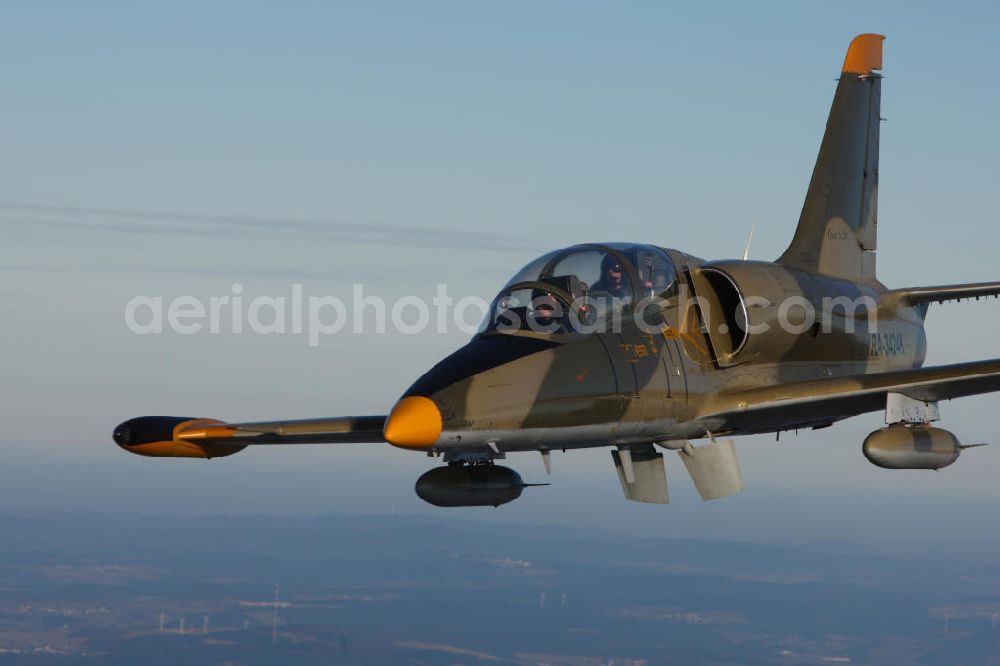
482, 353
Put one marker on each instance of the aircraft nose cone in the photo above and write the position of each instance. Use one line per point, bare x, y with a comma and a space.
414, 423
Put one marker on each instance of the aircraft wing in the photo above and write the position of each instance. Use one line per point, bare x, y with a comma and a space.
186, 437
948, 292
820, 402
334, 430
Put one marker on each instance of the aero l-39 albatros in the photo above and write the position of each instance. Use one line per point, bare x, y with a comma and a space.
636, 347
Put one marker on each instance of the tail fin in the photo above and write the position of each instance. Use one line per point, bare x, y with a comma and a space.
836, 232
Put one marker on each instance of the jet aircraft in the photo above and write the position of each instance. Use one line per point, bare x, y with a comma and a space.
641, 348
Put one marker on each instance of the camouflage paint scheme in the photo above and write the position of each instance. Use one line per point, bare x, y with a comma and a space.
693, 370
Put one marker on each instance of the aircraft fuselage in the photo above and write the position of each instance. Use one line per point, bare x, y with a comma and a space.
726, 326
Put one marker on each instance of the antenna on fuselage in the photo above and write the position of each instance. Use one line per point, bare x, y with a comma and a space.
746, 248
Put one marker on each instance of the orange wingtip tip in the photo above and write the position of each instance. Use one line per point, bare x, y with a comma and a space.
864, 54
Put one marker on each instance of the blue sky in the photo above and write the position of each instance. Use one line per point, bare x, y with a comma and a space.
482, 134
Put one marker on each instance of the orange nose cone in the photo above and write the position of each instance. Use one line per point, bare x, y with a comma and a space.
414, 423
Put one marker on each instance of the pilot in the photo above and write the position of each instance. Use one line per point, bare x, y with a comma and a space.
612, 281
547, 312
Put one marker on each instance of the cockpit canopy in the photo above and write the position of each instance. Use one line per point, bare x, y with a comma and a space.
583, 288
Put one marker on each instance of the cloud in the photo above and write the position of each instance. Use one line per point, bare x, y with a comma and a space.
30, 218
